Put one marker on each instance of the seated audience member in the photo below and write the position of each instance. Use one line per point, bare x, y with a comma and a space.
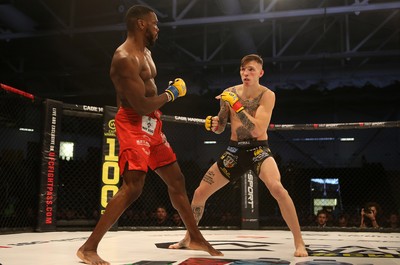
176, 219
161, 218
343, 220
370, 215
322, 218
393, 221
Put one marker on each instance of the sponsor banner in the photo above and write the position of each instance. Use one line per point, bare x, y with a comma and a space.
355, 255
110, 177
250, 213
86, 108
49, 166
353, 251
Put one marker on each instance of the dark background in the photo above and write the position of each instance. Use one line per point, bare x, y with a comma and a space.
324, 59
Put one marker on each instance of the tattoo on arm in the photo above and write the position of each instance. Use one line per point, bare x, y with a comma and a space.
223, 117
198, 211
209, 177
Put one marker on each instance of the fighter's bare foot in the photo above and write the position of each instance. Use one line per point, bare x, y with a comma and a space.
301, 251
206, 247
90, 257
184, 243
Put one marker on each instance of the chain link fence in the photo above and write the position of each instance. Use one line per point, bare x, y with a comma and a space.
20, 138
335, 170
79, 168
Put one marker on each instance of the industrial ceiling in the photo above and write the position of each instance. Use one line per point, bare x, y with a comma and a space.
63, 49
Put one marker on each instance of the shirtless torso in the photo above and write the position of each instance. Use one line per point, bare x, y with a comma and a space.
258, 102
132, 73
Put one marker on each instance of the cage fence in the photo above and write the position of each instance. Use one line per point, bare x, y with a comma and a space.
335, 169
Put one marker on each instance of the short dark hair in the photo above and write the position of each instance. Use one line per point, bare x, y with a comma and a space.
251, 57
135, 12
322, 211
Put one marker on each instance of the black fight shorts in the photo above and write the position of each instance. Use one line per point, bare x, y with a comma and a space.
242, 156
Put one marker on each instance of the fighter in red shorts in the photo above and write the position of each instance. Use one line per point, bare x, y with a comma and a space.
138, 126
142, 144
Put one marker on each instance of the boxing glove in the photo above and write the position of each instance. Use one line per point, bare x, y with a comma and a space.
233, 100
176, 88
208, 124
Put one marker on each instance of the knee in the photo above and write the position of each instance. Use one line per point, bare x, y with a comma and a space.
177, 185
133, 188
278, 191
200, 194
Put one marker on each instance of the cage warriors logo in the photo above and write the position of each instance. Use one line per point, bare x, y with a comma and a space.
111, 128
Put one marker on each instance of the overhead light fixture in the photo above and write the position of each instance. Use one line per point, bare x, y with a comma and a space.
210, 142
347, 139
26, 129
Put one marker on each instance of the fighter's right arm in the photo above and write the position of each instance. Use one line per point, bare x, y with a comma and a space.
126, 75
223, 116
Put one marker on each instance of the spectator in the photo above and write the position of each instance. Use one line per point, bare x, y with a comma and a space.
176, 219
322, 218
370, 215
161, 217
343, 220
393, 221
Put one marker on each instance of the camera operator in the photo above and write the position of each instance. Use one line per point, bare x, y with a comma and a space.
370, 215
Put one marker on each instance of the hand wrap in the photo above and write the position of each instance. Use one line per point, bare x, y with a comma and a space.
176, 88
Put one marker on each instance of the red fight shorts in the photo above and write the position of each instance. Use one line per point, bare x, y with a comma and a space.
141, 141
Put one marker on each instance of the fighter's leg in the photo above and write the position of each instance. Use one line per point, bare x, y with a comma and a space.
129, 191
212, 181
173, 177
270, 175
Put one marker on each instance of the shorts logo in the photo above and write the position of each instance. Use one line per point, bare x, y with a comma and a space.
258, 151
142, 142
229, 160
225, 171
148, 125
146, 151
261, 156
232, 149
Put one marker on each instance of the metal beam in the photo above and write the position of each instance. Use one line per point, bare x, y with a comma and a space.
283, 14
375, 30
216, 20
313, 57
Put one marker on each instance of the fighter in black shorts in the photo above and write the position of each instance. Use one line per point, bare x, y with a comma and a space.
249, 107
242, 156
